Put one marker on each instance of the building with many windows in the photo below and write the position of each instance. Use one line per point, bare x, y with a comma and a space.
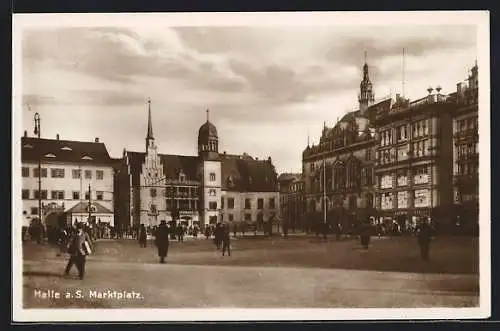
73, 175
414, 160
338, 173
466, 153
292, 201
197, 190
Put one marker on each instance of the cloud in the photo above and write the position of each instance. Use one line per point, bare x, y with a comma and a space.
35, 100
109, 98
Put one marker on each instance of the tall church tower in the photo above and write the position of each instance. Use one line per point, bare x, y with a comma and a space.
366, 97
210, 173
153, 204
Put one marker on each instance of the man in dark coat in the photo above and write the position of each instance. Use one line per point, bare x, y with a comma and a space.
424, 238
162, 234
77, 250
143, 236
226, 240
365, 233
218, 235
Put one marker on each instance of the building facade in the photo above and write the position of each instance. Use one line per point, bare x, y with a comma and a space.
466, 154
195, 190
74, 174
338, 173
292, 201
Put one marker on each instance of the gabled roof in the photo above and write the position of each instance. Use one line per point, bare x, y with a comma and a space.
53, 150
286, 177
82, 207
172, 164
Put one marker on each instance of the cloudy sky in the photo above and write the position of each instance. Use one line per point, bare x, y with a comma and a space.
266, 87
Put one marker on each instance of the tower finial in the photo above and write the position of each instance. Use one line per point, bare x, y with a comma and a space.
365, 56
208, 113
308, 137
150, 122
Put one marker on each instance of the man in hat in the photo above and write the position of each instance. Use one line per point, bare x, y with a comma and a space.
424, 231
162, 234
77, 250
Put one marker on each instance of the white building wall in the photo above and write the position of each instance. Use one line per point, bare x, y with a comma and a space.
239, 210
68, 185
208, 185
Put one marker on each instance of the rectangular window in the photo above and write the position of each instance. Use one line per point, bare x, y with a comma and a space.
26, 194
212, 205
25, 171
56, 173
369, 155
152, 192
231, 217
401, 132
44, 172
247, 204
222, 202
44, 194
77, 173
56, 195
88, 174
386, 201
260, 203
248, 217
76, 195
36, 195
212, 176
87, 195
34, 210
403, 199
99, 175
271, 203
230, 203
100, 195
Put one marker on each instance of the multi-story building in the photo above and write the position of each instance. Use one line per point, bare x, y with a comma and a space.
74, 174
292, 201
466, 153
414, 160
339, 171
198, 190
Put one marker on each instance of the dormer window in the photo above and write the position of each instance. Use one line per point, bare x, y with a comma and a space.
86, 157
50, 155
230, 181
66, 148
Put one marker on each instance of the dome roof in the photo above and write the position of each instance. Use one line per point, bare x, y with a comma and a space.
207, 130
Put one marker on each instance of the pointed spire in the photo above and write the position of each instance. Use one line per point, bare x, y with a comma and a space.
150, 123
365, 56
308, 137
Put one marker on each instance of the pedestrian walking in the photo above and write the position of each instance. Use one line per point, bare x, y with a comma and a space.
143, 236
180, 233
424, 238
226, 240
62, 240
79, 247
365, 234
162, 240
218, 235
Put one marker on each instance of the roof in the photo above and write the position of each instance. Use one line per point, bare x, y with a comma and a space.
245, 174
240, 173
207, 130
67, 151
287, 177
172, 164
81, 207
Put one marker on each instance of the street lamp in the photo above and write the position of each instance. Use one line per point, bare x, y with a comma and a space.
37, 133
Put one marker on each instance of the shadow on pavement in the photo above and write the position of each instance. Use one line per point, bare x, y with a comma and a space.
42, 274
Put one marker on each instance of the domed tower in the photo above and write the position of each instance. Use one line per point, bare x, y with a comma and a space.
209, 170
208, 141
366, 96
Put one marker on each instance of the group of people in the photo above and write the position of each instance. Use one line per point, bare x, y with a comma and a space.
222, 239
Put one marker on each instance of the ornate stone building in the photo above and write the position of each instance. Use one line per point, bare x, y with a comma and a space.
339, 171
193, 189
466, 154
292, 201
414, 160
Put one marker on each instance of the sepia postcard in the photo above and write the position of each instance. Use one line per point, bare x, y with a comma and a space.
251, 166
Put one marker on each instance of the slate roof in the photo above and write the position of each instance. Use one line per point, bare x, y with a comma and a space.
239, 173
245, 174
81, 207
64, 151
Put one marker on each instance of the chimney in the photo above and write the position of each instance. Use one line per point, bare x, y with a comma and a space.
96, 139
57, 136
224, 152
25, 134
269, 159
